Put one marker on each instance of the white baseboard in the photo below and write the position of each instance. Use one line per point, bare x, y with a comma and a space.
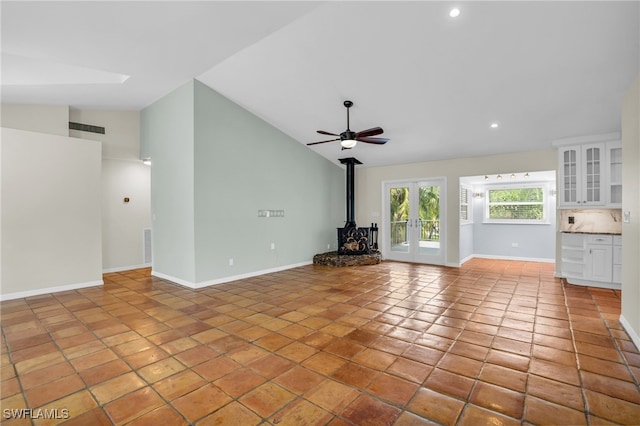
466, 259
56, 289
173, 279
126, 268
630, 331
226, 279
521, 259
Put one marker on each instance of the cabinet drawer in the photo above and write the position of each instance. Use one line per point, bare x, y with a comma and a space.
570, 269
600, 239
573, 255
573, 241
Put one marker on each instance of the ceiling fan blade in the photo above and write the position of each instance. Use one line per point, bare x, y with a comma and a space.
370, 132
378, 141
316, 143
322, 132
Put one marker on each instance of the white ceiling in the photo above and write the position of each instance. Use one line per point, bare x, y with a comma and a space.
541, 70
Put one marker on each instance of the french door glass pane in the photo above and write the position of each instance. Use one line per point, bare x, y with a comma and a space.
429, 219
399, 211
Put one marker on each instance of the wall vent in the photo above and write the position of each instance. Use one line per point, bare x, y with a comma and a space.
86, 128
146, 246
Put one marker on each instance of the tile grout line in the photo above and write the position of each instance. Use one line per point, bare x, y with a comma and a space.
615, 341
585, 401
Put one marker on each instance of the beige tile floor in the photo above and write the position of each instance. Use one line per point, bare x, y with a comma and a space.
494, 342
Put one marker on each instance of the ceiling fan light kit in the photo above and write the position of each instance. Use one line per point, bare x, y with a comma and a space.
348, 139
348, 143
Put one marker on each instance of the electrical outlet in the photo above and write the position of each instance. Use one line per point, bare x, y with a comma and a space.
231, 262
572, 220
515, 245
273, 246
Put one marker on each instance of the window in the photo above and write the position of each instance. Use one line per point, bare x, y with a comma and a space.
466, 214
516, 204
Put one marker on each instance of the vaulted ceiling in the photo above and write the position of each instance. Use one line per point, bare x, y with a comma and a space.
539, 70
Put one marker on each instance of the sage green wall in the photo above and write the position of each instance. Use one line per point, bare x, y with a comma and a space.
631, 203
214, 165
369, 184
167, 137
242, 165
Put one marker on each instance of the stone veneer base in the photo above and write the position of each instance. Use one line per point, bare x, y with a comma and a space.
333, 259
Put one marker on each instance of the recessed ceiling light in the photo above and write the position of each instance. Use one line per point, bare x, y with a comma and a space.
494, 125
454, 13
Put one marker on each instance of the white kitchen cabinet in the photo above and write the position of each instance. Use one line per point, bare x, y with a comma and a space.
613, 156
590, 171
573, 255
617, 259
590, 259
599, 258
580, 175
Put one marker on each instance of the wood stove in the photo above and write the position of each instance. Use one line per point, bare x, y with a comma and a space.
352, 240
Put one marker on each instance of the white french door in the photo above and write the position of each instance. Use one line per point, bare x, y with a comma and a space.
413, 221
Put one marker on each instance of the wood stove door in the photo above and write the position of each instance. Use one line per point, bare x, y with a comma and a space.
413, 228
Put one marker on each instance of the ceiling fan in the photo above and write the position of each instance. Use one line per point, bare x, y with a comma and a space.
348, 138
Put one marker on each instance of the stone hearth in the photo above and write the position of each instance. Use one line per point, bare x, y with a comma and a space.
333, 259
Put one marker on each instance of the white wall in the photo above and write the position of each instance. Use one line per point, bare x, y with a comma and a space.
51, 119
369, 184
121, 140
51, 219
466, 242
123, 222
123, 175
631, 203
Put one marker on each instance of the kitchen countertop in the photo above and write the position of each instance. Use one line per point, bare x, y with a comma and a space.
591, 232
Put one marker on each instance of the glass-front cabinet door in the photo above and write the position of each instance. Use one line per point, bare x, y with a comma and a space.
592, 170
569, 180
581, 180
614, 163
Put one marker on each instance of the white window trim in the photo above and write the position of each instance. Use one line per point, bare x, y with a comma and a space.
546, 189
